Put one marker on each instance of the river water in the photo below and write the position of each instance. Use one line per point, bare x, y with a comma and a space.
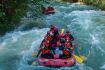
86, 24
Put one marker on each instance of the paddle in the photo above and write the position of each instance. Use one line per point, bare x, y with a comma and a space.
62, 32
82, 57
34, 54
79, 59
34, 62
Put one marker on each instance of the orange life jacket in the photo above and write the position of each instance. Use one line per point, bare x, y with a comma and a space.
45, 43
45, 51
49, 38
66, 52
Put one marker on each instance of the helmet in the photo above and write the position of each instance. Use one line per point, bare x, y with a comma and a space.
51, 25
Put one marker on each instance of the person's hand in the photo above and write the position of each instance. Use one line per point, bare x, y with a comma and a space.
71, 48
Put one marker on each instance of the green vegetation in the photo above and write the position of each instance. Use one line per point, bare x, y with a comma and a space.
97, 3
71, 1
36, 7
11, 12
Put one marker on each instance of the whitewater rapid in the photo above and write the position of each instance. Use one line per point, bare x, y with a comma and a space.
86, 24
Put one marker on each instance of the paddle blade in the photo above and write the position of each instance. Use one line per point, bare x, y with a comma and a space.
78, 59
62, 32
34, 63
34, 54
82, 57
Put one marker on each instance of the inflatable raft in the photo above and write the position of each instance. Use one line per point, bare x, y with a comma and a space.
57, 62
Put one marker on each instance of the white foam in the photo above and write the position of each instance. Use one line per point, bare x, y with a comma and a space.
102, 67
94, 39
2, 45
96, 42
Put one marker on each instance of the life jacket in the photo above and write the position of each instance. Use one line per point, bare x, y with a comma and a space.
68, 44
67, 37
49, 38
53, 29
54, 39
45, 51
66, 52
53, 45
58, 43
45, 43
50, 9
53, 32
60, 36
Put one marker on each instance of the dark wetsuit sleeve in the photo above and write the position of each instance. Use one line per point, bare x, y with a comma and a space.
56, 32
38, 53
41, 43
72, 38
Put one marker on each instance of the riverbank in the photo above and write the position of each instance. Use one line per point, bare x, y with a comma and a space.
12, 13
98, 3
